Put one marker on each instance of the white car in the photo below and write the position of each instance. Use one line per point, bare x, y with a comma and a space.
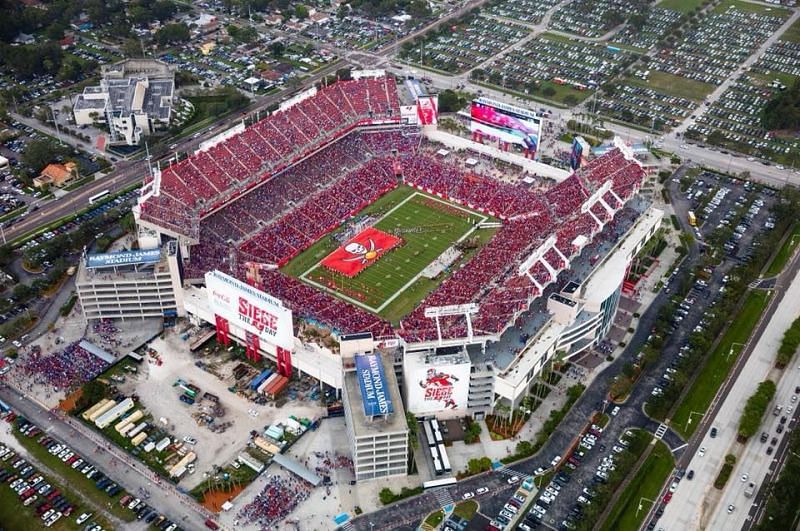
702, 451
512, 480
189, 440
467, 495
615, 411
674, 486
482, 490
82, 518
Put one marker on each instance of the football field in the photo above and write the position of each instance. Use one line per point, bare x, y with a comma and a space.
392, 285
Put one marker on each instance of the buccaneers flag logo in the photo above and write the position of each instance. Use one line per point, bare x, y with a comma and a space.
360, 251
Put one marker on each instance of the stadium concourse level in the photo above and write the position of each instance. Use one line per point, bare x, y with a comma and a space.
207, 179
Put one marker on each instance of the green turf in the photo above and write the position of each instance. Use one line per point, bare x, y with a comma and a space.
674, 85
647, 484
387, 287
466, 510
749, 7
792, 34
682, 6
785, 252
719, 364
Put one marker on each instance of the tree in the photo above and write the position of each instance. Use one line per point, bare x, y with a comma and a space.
301, 11
451, 101
276, 48
754, 409
172, 33
783, 110
39, 153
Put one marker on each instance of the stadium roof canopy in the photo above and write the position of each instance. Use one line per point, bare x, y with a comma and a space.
296, 468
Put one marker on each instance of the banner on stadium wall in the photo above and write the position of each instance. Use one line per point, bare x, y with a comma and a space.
408, 114
434, 388
360, 252
428, 110
250, 308
374, 389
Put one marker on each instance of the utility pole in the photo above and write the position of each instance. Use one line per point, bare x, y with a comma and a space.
55, 123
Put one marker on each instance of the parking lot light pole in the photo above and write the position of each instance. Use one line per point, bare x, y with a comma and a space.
643, 499
689, 421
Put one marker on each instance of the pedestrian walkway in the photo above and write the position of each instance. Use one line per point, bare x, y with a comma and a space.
662, 429
443, 497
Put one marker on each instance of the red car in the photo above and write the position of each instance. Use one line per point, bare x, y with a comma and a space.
667, 497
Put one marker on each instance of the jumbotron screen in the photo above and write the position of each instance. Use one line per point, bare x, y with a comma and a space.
510, 124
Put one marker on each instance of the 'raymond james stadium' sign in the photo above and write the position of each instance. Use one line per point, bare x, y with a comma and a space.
372, 380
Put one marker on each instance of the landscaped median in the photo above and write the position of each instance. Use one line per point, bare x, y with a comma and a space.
626, 515
719, 363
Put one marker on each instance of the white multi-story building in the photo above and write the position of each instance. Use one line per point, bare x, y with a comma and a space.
131, 284
134, 99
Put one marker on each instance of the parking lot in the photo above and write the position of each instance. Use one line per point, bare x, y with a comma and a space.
590, 18
460, 47
669, 87
574, 65
734, 120
528, 11
659, 23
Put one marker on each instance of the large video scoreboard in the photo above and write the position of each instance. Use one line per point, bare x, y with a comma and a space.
507, 123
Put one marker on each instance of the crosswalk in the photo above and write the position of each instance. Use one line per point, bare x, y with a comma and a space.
506, 471
348, 526
443, 497
661, 430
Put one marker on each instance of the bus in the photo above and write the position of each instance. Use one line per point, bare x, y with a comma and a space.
429, 434
436, 433
444, 459
692, 219
432, 484
437, 465
97, 197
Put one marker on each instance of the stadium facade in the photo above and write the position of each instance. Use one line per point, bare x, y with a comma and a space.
546, 286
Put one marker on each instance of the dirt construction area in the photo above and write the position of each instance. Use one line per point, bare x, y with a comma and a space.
155, 386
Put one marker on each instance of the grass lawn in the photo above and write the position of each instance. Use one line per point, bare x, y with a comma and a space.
435, 519
719, 363
748, 7
793, 33
674, 85
682, 6
647, 484
786, 251
77, 482
387, 286
466, 510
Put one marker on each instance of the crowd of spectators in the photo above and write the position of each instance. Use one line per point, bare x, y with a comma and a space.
207, 179
63, 369
279, 497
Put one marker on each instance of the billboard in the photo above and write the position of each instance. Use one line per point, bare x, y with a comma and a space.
427, 110
374, 389
250, 309
436, 387
505, 122
360, 252
123, 258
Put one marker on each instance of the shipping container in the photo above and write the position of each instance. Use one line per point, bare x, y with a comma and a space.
139, 439
88, 413
113, 414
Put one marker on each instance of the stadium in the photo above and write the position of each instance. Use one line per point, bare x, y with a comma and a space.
348, 212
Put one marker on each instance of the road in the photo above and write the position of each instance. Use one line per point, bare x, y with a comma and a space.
111, 461
696, 504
